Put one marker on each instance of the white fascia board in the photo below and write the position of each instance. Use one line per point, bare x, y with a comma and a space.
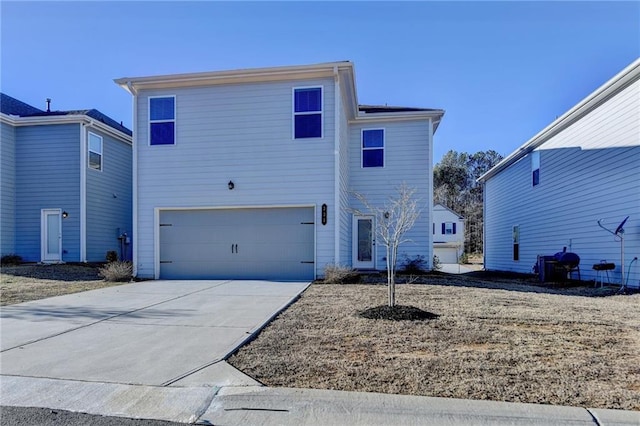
588, 104
64, 119
435, 116
253, 75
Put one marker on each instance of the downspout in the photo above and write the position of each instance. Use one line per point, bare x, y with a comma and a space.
83, 192
336, 155
430, 195
134, 181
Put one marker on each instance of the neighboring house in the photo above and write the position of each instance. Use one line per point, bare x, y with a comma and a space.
66, 183
251, 173
551, 192
448, 234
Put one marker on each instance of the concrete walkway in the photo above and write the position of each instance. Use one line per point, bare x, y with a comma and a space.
156, 350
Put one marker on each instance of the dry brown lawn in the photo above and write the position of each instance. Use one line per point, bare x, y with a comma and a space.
494, 339
32, 282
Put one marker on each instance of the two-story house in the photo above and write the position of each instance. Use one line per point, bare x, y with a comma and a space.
448, 234
66, 184
581, 170
251, 173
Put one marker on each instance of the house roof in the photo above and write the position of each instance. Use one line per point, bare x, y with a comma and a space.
609, 89
12, 106
343, 70
447, 208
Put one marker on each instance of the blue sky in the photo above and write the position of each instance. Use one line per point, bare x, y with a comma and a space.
501, 70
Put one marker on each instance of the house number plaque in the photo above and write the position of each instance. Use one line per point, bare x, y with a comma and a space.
324, 214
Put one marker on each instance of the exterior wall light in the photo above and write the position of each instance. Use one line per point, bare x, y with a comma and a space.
65, 215
231, 185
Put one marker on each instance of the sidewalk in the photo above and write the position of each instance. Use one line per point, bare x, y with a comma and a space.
257, 405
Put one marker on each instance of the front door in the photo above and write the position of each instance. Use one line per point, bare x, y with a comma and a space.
363, 242
51, 230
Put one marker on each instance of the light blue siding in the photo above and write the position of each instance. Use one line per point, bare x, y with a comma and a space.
239, 133
406, 160
47, 176
7, 194
109, 200
589, 171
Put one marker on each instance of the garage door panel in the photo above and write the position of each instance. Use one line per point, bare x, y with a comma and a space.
274, 243
446, 254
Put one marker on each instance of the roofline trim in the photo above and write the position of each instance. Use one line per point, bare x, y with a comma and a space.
64, 119
234, 76
612, 87
399, 116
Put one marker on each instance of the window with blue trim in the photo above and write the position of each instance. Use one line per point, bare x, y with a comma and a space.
307, 112
162, 121
373, 148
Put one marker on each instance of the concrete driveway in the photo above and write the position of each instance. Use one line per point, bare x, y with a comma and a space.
156, 333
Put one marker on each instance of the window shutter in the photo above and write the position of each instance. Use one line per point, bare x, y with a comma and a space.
454, 228
443, 230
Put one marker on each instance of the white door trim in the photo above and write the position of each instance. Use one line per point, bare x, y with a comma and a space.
355, 237
45, 256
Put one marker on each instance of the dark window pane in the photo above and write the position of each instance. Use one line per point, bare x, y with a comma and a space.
536, 177
162, 133
373, 138
162, 108
95, 161
373, 158
307, 100
308, 126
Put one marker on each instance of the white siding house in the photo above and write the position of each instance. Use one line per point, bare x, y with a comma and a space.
448, 234
551, 192
249, 173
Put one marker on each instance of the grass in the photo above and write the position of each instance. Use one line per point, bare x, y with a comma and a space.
494, 338
32, 282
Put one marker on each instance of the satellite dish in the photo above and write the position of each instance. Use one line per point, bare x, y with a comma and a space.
620, 227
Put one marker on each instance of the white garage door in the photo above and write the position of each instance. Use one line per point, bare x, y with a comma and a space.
446, 254
269, 244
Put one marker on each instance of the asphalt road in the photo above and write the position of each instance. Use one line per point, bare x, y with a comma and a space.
10, 416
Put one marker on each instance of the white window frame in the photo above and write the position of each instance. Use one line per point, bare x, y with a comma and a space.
294, 113
535, 165
89, 151
448, 228
383, 148
174, 120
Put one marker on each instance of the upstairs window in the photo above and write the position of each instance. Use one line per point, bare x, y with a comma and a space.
448, 228
307, 112
535, 168
373, 148
94, 151
162, 120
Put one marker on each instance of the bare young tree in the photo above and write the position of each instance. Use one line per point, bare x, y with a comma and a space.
392, 221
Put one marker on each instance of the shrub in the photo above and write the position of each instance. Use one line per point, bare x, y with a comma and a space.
436, 263
117, 271
414, 266
112, 256
464, 258
10, 260
340, 274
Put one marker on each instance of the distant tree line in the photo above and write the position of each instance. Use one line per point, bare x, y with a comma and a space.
455, 186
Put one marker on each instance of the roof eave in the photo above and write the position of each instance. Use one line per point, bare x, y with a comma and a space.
252, 75
64, 119
593, 100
